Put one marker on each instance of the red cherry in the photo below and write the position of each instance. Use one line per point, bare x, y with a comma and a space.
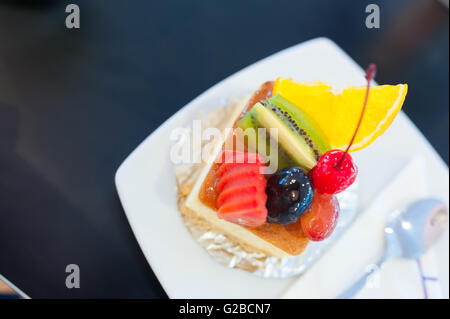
320, 220
334, 172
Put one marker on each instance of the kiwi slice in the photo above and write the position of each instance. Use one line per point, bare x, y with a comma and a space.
254, 145
300, 139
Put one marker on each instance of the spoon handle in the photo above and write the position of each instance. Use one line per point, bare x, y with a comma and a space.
357, 286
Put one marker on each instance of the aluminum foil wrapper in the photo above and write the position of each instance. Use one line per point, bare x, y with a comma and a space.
231, 254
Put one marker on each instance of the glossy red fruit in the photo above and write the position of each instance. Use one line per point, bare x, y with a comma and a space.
239, 205
239, 176
320, 220
241, 189
240, 192
226, 168
334, 172
231, 156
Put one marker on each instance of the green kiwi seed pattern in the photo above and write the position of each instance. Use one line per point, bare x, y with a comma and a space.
293, 125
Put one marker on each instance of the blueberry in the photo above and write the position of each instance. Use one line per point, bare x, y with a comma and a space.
289, 194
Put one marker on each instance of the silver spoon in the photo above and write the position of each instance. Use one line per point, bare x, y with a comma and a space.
409, 234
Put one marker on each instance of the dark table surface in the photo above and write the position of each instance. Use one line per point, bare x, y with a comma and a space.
75, 103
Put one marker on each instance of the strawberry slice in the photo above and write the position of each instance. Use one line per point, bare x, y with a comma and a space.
239, 193
247, 203
238, 157
238, 179
227, 167
239, 173
244, 182
241, 187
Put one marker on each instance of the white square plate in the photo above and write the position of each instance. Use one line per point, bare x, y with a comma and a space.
147, 188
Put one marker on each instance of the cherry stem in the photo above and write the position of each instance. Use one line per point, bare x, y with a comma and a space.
370, 75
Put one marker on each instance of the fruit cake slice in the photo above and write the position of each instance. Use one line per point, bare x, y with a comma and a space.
278, 212
271, 239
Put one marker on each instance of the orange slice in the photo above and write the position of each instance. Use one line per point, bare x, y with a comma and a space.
337, 112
